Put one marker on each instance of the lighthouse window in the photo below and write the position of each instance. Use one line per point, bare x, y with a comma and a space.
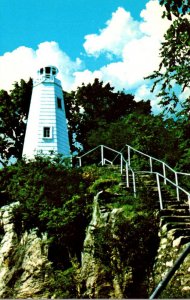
47, 133
47, 70
59, 103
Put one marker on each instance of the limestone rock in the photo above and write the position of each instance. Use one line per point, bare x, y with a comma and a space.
24, 266
95, 277
171, 247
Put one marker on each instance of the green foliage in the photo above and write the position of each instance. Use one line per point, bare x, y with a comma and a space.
177, 8
96, 105
52, 198
105, 184
57, 199
136, 235
173, 74
63, 284
14, 109
149, 134
172, 77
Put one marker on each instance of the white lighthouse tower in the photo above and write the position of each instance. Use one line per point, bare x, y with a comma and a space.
46, 129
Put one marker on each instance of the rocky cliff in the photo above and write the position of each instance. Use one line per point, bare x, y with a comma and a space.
111, 267
100, 280
106, 269
116, 262
174, 239
24, 267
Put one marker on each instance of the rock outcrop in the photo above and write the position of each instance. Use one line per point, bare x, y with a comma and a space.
174, 237
101, 280
24, 266
105, 271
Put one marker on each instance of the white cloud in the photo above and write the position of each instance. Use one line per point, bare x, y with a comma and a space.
23, 62
153, 24
120, 29
16, 65
136, 44
185, 94
140, 58
49, 53
143, 93
85, 77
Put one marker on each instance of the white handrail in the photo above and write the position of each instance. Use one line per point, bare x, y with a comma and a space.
86, 153
158, 160
128, 168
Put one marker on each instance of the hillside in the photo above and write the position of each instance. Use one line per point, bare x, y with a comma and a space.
76, 233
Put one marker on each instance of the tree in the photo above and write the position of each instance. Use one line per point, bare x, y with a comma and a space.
173, 75
86, 109
14, 109
148, 133
177, 8
96, 105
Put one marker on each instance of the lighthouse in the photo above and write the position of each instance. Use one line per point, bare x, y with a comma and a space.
46, 130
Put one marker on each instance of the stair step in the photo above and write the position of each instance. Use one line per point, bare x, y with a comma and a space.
178, 205
177, 225
174, 212
173, 203
180, 219
181, 232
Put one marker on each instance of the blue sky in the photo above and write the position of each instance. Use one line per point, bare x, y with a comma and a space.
116, 41
30, 22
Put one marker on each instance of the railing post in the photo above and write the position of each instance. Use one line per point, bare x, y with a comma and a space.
127, 174
134, 185
102, 155
189, 201
151, 164
164, 172
121, 164
159, 190
129, 155
80, 161
177, 189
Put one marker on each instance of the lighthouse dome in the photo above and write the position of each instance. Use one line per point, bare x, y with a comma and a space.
46, 74
48, 71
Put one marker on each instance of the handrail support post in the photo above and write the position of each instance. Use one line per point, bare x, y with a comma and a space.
134, 185
127, 175
164, 172
177, 189
121, 166
102, 155
159, 190
151, 168
129, 155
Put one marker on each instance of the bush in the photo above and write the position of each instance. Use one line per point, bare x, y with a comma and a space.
52, 198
